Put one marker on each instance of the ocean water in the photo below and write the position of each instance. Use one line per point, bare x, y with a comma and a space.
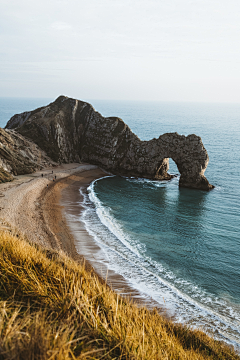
12, 106
179, 246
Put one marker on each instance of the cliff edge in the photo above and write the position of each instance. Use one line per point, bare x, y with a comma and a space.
70, 130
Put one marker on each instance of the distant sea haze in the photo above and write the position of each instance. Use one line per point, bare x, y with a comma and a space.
180, 246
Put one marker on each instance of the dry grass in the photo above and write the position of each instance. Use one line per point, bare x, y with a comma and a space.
52, 308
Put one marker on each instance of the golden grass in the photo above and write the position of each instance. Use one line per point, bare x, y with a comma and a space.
52, 308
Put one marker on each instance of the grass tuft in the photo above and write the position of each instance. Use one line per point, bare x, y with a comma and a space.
52, 308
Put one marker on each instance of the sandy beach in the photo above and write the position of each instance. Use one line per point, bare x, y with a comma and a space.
44, 211
22, 203
30, 205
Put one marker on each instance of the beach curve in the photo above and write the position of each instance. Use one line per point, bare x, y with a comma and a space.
35, 205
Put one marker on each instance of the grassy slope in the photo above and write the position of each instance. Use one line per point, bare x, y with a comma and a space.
52, 308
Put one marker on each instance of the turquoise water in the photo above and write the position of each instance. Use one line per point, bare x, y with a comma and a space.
179, 246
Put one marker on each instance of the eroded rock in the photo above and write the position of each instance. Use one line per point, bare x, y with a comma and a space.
19, 156
71, 130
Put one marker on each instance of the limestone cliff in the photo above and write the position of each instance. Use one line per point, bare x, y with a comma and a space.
19, 156
71, 130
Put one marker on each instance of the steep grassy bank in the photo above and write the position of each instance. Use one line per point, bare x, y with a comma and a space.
52, 308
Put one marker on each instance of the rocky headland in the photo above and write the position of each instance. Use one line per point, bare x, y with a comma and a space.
70, 130
19, 156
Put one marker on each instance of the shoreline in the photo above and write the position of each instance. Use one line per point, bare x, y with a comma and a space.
86, 246
36, 206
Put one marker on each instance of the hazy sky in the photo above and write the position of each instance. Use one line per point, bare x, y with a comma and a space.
171, 50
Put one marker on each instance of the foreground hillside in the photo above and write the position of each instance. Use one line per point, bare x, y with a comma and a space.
52, 308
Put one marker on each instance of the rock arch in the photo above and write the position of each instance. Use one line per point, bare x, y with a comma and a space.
71, 130
152, 159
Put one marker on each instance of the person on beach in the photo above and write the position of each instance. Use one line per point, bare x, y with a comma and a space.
42, 175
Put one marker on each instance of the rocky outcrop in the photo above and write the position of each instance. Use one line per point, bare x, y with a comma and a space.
19, 156
71, 130
5, 176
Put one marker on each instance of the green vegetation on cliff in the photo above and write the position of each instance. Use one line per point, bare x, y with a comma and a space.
52, 308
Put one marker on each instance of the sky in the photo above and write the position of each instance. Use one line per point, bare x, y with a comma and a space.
160, 50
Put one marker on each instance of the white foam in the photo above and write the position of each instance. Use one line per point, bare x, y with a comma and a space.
108, 220
198, 308
155, 183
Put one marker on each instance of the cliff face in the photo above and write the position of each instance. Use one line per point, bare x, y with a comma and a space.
19, 156
71, 130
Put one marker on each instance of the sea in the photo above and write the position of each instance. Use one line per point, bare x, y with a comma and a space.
181, 247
